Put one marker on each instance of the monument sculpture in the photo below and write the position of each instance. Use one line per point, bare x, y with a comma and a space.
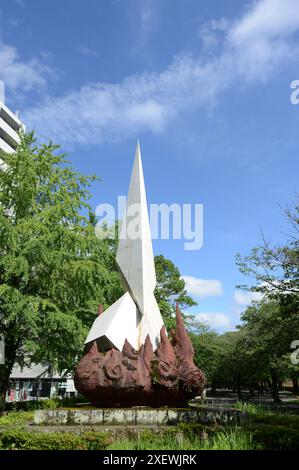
128, 357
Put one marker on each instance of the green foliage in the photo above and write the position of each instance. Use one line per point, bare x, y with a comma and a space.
16, 418
274, 431
32, 405
264, 430
54, 271
23, 440
273, 437
270, 326
252, 409
167, 442
207, 348
170, 290
257, 355
52, 403
276, 268
230, 439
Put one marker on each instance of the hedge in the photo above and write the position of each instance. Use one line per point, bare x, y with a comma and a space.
24, 440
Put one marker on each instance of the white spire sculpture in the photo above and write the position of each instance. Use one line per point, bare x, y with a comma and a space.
136, 314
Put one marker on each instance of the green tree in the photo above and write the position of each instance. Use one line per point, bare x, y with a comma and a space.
270, 328
207, 350
274, 321
53, 270
231, 365
275, 268
170, 290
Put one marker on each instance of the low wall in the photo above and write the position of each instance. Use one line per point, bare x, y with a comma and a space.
169, 417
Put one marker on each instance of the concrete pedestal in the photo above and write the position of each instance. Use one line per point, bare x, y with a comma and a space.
139, 416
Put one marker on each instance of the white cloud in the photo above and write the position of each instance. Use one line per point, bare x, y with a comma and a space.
203, 287
267, 19
96, 112
262, 40
251, 49
20, 3
144, 19
18, 74
217, 321
244, 298
88, 51
210, 33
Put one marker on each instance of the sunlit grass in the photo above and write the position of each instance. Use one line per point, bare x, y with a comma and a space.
16, 418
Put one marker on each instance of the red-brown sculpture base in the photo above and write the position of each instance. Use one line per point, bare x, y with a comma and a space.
166, 377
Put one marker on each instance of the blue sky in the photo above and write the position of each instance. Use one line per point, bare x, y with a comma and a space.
204, 85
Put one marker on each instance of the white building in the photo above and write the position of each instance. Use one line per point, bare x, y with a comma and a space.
29, 383
10, 126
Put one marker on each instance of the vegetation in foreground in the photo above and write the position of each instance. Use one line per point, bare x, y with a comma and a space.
264, 430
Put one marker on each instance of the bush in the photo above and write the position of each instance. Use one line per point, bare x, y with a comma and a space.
22, 440
275, 431
16, 418
49, 403
272, 437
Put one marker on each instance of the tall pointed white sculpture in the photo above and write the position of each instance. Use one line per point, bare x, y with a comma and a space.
136, 314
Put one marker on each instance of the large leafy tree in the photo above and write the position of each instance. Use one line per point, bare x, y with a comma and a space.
53, 270
270, 328
273, 324
275, 268
170, 290
207, 350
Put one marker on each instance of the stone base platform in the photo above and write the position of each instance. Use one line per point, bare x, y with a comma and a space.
138, 417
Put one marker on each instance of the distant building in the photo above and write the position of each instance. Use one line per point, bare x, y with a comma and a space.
30, 383
10, 126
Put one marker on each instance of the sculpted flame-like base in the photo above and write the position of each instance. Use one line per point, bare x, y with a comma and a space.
166, 376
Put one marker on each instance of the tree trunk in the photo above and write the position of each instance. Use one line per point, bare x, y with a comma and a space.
295, 385
274, 386
239, 390
5, 371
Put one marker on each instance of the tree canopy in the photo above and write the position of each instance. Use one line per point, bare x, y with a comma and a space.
275, 268
170, 290
257, 356
53, 270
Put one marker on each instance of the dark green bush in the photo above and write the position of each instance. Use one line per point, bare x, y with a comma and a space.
277, 420
275, 431
271, 437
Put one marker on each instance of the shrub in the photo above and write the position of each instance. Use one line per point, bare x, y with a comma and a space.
273, 437
22, 440
16, 418
49, 403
